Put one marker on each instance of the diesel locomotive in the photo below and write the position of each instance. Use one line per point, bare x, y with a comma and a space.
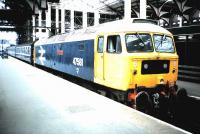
129, 57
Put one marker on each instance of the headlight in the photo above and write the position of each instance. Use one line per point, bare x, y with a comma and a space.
165, 66
146, 66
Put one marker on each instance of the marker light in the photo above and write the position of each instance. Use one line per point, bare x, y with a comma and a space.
174, 63
135, 64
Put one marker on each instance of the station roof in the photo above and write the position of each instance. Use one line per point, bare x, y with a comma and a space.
156, 9
166, 10
167, 7
16, 12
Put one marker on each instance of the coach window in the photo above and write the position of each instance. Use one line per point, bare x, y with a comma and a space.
114, 44
100, 44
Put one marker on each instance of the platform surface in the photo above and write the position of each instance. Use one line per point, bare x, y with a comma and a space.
193, 89
33, 101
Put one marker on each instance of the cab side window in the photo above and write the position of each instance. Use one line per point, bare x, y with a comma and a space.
114, 44
100, 44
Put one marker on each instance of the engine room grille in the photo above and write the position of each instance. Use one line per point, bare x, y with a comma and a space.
155, 67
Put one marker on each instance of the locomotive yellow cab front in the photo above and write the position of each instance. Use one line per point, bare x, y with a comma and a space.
156, 65
140, 61
143, 61
152, 71
135, 57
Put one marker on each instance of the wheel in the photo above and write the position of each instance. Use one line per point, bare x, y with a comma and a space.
143, 102
182, 94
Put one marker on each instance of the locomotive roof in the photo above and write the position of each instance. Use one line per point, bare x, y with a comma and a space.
110, 27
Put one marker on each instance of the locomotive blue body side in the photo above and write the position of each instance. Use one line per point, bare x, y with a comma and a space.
75, 58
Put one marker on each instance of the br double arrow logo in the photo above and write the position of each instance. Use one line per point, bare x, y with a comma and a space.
41, 58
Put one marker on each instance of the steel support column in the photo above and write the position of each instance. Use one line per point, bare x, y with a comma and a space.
84, 19
72, 20
127, 8
33, 24
143, 5
62, 20
40, 21
180, 18
48, 20
57, 20
96, 18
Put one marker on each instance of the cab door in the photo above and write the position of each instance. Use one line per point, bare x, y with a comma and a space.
99, 58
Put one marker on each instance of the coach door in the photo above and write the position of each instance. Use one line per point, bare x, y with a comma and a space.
99, 58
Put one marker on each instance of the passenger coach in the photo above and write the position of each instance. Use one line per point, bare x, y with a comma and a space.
23, 52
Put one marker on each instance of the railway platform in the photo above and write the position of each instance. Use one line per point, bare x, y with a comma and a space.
34, 101
192, 88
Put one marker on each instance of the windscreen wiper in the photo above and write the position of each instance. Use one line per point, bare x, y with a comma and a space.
139, 37
161, 42
163, 38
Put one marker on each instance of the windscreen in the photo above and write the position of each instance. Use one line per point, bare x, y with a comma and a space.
138, 42
163, 43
